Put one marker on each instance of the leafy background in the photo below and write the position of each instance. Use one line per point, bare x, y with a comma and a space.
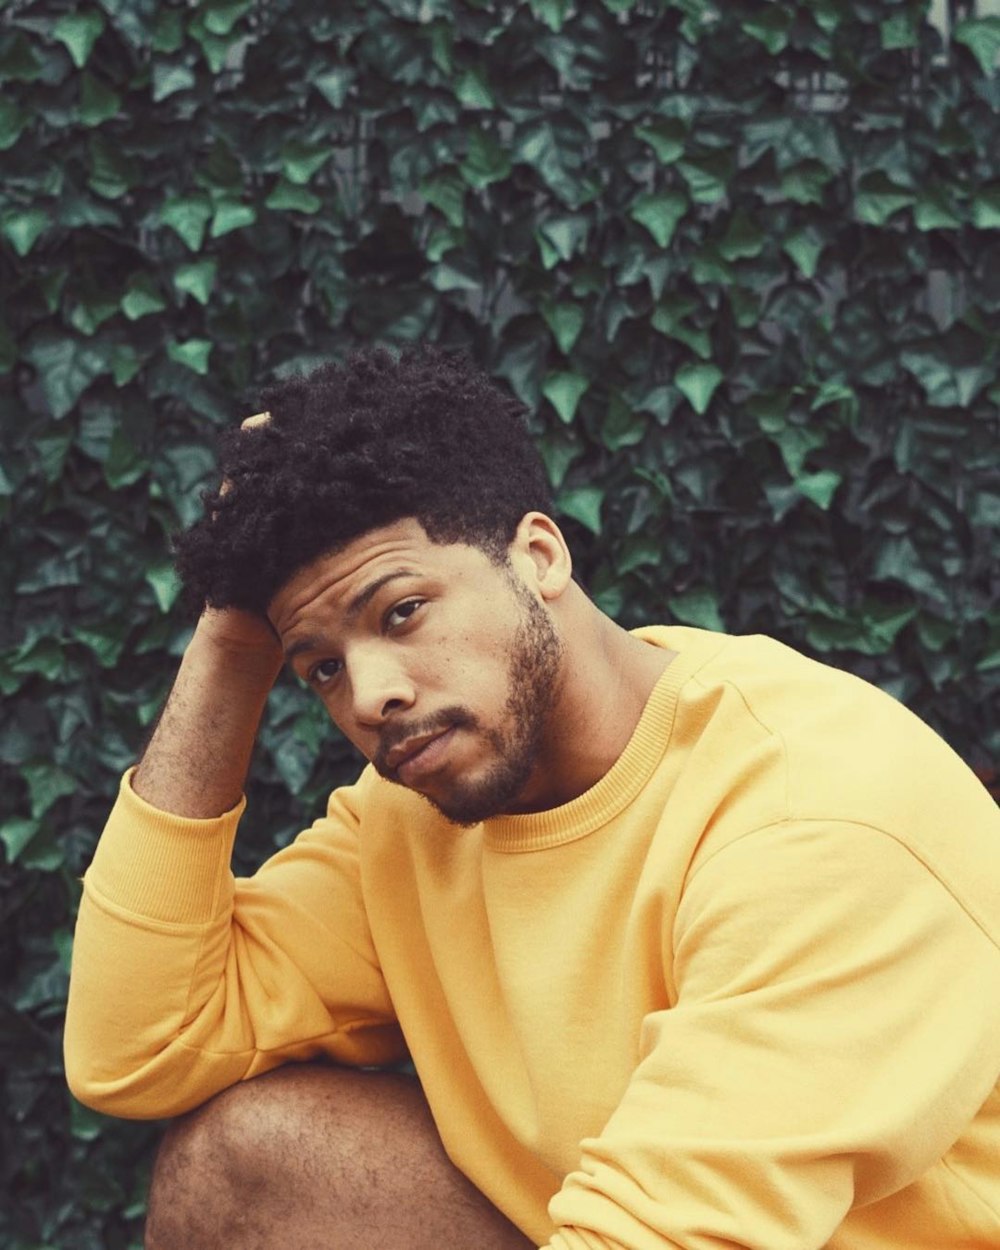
741, 261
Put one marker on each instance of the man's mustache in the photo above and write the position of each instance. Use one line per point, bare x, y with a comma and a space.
398, 733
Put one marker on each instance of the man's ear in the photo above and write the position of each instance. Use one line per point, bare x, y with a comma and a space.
541, 556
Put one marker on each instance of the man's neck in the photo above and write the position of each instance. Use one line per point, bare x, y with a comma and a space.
609, 675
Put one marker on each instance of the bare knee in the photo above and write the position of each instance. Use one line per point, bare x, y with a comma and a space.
312, 1156
236, 1167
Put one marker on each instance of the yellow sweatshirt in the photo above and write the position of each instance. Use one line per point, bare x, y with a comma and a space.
743, 992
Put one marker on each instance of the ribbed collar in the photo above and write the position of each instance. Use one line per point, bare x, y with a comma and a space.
538, 831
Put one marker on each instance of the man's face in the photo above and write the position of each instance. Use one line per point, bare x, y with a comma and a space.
439, 665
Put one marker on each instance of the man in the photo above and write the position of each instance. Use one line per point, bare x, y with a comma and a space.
693, 941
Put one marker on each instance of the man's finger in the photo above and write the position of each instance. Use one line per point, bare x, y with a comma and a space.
259, 418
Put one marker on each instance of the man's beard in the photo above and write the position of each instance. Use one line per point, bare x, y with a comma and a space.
535, 664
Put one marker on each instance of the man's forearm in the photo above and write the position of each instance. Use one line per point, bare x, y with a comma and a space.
197, 760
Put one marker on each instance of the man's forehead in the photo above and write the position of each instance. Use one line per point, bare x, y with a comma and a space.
351, 575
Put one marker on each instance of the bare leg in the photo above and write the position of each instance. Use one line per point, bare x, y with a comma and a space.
313, 1157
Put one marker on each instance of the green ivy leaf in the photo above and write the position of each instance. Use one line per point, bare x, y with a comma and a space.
299, 163
79, 32
982, 37
795, 443
446, 191
18, 60
819, 487
169, 79
900, 31
933, 211
16, 833
986, 208
806, 182
288, 198
661, 401
770, 26
698, 384
833, 391
878, 198
666, 137
124, 465
555, 154
221, 17
564, 391
659, 212
698, 607
899, 561
231, 215
486, 161
12, 123
565, 321
743, 239
707, 177
47, 784
125, 363
141, 298
193, 353
443, 238
558, 456
106, 643
97, 102
945, 383
445, 277
550, 12
473, 91
333, 85
196, 278
187, 216
66, 367
583, 504
805, 246
668, 319
165, 584
168, 32
623, 425
23, 228
213, 49
111, 171
560, 238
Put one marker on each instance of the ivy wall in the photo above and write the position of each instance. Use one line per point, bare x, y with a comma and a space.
741, 260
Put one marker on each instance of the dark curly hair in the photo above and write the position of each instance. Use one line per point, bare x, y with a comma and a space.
352, 447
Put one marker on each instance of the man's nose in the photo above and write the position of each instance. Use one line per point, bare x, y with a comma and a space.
380, 685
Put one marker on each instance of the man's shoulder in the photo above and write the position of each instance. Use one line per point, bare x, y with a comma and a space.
824, 745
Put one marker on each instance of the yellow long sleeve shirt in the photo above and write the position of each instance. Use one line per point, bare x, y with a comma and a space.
743, 992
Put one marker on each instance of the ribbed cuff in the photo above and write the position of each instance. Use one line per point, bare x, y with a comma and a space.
163, 867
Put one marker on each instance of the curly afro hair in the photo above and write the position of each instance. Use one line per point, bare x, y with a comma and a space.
352, 447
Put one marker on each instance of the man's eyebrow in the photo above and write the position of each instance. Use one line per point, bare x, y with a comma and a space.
354, 608
362, 599
303, 644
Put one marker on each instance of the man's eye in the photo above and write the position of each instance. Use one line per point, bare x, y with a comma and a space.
323, 672
402, 612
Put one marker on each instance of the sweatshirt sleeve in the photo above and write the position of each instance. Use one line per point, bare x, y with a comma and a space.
186, 980
837, 1025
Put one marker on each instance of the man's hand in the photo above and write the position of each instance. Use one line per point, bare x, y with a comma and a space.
197, 760
231, 629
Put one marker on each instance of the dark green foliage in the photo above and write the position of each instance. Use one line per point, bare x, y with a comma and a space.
741, 260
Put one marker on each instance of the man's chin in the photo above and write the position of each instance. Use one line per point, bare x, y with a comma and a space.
465, 814
495, 796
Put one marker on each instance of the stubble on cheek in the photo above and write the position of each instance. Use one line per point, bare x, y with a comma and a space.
534, 677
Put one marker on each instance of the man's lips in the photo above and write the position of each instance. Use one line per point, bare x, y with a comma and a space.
418, 755
399, 754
